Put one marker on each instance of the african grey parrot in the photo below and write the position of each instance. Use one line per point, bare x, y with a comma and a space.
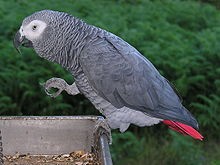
119, 81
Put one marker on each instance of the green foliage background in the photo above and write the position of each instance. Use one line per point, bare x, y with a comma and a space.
181, 38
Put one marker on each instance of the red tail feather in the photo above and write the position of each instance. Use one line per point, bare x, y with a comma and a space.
183, 128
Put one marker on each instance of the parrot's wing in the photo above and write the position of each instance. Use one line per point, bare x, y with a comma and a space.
122, 76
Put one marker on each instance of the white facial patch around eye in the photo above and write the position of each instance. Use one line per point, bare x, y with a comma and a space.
33, 30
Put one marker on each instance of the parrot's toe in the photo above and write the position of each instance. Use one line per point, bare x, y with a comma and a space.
56, 83
124, 127
53, 94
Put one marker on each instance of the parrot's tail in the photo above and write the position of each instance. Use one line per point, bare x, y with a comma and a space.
183, 128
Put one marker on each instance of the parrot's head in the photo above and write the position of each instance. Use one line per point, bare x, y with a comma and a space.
45, 31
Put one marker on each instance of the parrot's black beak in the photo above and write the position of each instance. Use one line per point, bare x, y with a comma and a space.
21, 41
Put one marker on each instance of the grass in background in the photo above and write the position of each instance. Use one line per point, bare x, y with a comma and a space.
182, 39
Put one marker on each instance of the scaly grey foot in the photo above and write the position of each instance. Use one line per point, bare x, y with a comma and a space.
61, 85
102, 127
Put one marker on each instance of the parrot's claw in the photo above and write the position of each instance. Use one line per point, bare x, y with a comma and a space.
102, 127
61, 85
57, 83
53, 94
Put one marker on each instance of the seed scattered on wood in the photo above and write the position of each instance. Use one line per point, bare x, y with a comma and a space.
73, 158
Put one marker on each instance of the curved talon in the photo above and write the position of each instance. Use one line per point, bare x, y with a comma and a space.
56, 93
52, 94
47, 91
58, 83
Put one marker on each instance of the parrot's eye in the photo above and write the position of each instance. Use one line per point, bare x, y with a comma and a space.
34, 27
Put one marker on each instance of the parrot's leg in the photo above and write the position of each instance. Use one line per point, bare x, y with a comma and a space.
61, 85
